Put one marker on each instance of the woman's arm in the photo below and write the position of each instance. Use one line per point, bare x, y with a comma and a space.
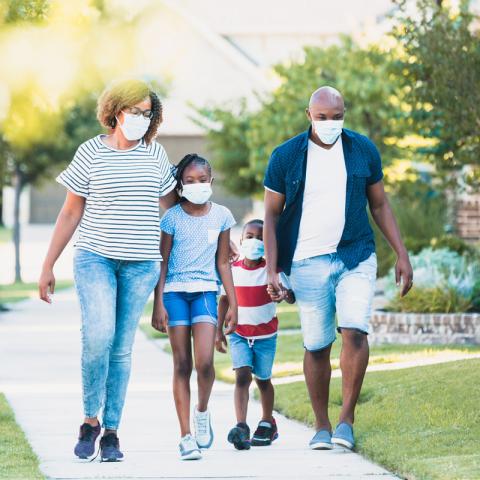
159, 314
225, 272
169, 200
67, 222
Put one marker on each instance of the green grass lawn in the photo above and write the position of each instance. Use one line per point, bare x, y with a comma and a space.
17, 459
21, 291
422, 423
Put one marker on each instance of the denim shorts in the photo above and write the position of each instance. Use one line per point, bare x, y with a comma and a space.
186, 308
325, 288
258, 354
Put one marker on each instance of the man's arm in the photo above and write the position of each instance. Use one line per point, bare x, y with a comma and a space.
384, 218
274, 204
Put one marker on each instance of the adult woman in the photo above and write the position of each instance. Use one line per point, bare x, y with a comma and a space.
114, 184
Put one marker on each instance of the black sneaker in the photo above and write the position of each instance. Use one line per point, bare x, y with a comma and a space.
110, 448
265, 433
85, 446
240, 436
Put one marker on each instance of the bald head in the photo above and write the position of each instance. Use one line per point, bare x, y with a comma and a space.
326, 96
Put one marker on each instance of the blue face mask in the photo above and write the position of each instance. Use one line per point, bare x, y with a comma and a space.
328, 130
252, 248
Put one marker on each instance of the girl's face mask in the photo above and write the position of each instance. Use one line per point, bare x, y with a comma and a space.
198, 193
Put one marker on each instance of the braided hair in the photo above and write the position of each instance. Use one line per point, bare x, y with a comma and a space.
190, 159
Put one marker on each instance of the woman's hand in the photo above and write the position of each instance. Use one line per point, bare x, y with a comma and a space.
160, 318
46, 285
221, 342
231, 320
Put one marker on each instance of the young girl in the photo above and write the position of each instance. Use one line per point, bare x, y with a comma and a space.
195, 247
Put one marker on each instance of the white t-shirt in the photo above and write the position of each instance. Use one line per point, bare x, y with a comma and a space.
323, 208
121, 219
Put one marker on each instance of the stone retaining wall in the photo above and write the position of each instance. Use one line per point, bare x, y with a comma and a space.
427, 328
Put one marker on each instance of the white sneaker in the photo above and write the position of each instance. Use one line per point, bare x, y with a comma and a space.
203, 428
188, 448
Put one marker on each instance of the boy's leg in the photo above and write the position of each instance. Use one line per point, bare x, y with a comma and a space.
267, 398
243, 379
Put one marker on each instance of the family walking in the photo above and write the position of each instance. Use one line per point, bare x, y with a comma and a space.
314, 247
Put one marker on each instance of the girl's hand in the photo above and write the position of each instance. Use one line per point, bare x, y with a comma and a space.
46, 285
221, 342
160, 319
231, 320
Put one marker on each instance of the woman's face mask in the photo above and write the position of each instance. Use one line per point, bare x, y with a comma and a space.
252, 248
198, 193
134, 127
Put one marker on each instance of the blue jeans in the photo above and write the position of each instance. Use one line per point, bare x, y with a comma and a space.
112, 295
258, 354
188, 308
324, 287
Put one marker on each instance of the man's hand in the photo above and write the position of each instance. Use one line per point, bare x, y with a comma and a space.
277, 295
160, 319
231, 320
404, 274
221, 342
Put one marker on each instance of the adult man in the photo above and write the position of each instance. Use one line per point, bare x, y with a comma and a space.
317, 187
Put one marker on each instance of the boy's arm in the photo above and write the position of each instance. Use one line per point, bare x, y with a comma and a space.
159, 314
220, 340
225, 272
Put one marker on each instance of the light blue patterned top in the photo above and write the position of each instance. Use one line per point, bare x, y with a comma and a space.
192, 266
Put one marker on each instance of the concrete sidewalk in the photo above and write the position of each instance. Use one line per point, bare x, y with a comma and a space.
40, 375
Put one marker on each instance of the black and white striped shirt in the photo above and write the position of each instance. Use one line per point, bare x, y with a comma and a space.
121, 218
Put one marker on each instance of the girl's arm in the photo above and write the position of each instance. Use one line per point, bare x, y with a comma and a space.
225, 272
220, 340
67, 222
159, 314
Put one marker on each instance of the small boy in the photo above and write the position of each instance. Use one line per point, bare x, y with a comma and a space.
254, 342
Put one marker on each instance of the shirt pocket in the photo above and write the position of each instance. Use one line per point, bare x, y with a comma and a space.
212, 235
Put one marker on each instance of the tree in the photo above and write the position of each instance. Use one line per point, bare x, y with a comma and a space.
440, 69
244, 141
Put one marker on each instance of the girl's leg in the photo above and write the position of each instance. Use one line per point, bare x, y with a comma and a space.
135, 282
180, 340
96, 287
204, 343
243, 379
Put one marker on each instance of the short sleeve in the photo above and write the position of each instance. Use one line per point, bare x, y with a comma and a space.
167, 223
275, 176
285, 281
166, 172
76, 177
228, 221
375, 164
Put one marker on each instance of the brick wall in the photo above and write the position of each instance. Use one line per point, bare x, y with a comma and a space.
427, 328
468, 218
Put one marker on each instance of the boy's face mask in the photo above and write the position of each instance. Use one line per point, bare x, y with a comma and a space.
252, 248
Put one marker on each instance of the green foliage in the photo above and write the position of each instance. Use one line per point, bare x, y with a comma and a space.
19, 11
430, 300
421, 423
475, 299
442, 62
242, 142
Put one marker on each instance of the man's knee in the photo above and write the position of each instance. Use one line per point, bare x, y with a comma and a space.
354, 338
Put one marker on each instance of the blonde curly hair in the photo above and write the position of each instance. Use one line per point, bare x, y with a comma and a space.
125, 94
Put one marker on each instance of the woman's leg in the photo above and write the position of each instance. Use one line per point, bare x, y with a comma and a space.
180, 340
135, 282
96, 287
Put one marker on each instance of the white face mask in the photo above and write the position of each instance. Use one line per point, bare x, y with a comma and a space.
134, 127
328, 130
197, 193
252, 248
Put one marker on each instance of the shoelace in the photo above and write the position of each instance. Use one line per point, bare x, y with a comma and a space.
202, 424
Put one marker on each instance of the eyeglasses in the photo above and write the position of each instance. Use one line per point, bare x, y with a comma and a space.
137, 112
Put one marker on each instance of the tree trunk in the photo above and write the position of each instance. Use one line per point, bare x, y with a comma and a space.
19, 184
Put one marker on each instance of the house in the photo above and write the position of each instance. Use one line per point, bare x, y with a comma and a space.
213, 52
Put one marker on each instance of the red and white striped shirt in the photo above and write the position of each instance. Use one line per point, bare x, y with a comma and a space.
256, 311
